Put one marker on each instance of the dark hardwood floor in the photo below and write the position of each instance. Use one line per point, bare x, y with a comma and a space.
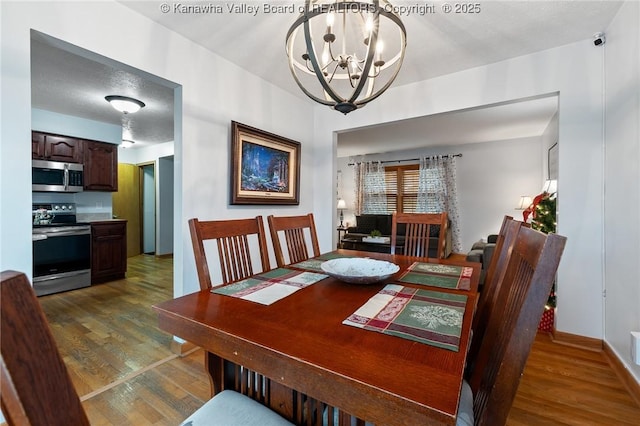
125, 373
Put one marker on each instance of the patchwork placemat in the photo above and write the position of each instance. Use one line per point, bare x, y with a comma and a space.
437, 275
314, 263
270, 286
426, 316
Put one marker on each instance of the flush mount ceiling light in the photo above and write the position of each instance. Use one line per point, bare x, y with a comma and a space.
127, 143
344, 53
124, 104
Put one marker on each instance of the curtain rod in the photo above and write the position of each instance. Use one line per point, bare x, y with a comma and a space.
412, 159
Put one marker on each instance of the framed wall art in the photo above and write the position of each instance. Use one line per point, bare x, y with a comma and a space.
552, 162
265, 168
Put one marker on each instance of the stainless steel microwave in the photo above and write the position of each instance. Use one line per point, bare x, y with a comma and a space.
55, 176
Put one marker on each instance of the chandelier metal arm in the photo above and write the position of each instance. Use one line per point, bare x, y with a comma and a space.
314, 59
364, 76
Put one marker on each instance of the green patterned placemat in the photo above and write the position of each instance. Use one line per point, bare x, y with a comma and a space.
426, 316
313, 264
438, 275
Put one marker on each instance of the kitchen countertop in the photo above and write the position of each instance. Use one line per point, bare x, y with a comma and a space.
107, 220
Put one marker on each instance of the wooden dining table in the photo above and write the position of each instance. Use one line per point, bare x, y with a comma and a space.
298, 350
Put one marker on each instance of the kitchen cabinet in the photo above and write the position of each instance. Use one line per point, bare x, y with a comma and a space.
100, 166
108, 250
45, 146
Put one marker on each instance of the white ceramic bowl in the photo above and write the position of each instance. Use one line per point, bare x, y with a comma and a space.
359, 270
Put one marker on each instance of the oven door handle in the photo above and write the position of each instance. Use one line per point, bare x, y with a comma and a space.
63, 234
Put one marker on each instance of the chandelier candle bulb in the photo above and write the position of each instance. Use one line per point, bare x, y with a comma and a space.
330, 21
379, 48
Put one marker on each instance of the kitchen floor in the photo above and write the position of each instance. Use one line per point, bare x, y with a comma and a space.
118, 359
125, 373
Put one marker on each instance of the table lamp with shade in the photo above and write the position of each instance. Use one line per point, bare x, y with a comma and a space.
525, 201
342, 205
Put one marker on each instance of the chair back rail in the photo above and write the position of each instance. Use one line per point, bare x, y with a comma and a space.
234, 251
417, 235
293, 228
36, 388
513, 323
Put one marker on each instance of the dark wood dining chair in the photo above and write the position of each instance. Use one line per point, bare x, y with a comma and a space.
294, 229
234, 250
419, 230
36, 388
488, 393
493, 281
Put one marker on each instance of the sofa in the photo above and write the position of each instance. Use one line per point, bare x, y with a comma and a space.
365, 223
482, 252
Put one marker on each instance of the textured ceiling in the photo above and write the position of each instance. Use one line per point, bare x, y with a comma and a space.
71, 82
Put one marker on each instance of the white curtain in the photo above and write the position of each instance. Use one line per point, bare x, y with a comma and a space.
437, 192
370, 188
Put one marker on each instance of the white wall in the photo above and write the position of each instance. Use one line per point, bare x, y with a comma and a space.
622, 176
491, 178
67, 125
212, 92
574, 72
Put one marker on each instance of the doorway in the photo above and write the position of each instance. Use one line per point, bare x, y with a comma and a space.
148, 197
145, 199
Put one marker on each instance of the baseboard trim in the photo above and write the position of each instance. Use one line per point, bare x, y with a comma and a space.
182, 348
623, 373
165, 256
582, 342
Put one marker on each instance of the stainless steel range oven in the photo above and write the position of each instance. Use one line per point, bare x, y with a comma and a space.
61, 249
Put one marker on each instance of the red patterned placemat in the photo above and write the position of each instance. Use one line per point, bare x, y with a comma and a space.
270, 286
426, 316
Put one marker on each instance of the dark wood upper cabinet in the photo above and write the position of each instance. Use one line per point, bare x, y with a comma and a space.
37, 145
45, 146
100, 166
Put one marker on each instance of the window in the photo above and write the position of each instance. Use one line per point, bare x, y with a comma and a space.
402, 188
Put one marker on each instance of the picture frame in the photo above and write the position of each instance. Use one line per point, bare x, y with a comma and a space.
552, 162
265, 168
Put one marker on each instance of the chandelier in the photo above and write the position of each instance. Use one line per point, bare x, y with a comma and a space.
344, 53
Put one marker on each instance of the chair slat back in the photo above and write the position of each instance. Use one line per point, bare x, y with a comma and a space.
293, 228
418, 230
35, 386
234, 251
513, 323
493, 281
